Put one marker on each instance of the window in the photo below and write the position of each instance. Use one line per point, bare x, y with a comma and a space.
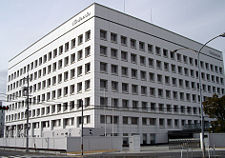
103, 67
180, 71
114, 37
55, 53
66, 46
191, 60
133, 73
103, 84
79, 87
167, 80
80, 39
158, 50
141, 46
65, 91
151, 62
165, 53
185, 59
142, 61
143, 75
123, 40
134, 120
125, 103
79, 71
133, 58
87, 68
87, 101
152, 121
152, 91
66, 61
103, 50
133, 43
166, 66
114, 85
172, 55
161, 122
152, 77
59, 64
173, 68
59, 93
178, 57
79, 55
160, 93
103, 35
125, 120
115, 102
72, 58
103, 101
143, 90
87, 35
60, 50
59, 78
45, 58
134, 89
169, 122
114, 69
124, 71
144, 105
72, 89
168, 107
150, 48
87, 51
87, 84
144, 121
124, 56
125, 88
159, 64
161, 107
66, 76
73, 43
114, 53
135, 104
159, 78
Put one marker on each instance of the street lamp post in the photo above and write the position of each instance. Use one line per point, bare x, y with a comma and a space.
200, 89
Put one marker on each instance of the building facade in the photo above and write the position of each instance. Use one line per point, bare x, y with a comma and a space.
122, 69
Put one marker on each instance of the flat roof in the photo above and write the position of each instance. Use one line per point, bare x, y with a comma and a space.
115, 11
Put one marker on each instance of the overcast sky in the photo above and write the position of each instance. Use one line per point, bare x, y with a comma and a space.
22, 22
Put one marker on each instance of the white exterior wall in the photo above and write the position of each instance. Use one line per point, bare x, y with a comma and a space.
121, 24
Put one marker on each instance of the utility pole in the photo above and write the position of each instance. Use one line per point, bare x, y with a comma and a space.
82, 128
27, 112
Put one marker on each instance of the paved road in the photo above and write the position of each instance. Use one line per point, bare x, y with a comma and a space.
163, 154
20, 154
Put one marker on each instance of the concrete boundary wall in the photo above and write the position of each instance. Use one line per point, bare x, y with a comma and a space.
217, 140
68, 144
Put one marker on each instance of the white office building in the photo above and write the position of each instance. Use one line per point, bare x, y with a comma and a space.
124, 71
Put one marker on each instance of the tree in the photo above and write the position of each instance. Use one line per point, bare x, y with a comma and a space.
214, 107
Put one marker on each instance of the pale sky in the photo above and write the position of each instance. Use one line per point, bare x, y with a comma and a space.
22, 22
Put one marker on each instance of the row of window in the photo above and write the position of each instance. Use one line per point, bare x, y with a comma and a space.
150, 49
49, 110
51, 81
54, 94
128, 120
56, 123
52, 54
145, 106
134, 73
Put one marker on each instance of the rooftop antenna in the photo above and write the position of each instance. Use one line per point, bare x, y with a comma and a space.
124, 3
151, 17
